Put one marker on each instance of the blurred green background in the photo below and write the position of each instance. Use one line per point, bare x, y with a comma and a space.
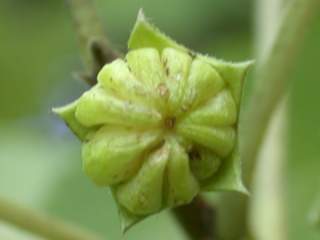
40, 164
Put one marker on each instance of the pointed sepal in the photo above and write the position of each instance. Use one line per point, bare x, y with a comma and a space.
67, 113
146, 35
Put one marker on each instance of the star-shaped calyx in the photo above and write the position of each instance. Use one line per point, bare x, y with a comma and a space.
160, 125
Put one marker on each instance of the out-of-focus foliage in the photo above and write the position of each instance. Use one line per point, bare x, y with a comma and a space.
304, 138
39, 159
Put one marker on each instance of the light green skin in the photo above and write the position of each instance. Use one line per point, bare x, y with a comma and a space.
160, 125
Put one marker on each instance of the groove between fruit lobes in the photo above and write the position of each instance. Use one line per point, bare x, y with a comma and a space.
160, 125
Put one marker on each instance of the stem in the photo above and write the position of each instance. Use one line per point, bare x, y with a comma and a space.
267, 203
41, 225
273, 75
272, 79
93, 42
197, 219
267, 206
268, 15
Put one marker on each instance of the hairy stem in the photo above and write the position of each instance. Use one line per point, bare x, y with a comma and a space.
41, 225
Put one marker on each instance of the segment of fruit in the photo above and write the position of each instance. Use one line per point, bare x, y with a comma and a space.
115, 154
143, 194
98, 107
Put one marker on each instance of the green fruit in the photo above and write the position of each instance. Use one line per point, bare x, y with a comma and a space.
160, 125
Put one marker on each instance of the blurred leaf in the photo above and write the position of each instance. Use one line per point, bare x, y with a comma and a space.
36, 47
304, 135
8, 232
43, 171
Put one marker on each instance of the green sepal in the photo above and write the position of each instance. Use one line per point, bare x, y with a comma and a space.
228, 178
67, 113
145, 35
127, 219
232, 73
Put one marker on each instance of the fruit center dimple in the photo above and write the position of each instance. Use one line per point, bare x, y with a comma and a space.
169, 123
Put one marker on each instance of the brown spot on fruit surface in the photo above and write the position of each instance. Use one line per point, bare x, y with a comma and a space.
170, 122
163, 90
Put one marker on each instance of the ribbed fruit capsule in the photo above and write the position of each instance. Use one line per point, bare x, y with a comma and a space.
160, 125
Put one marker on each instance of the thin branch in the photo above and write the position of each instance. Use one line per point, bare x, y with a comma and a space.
94, 45
272, 80
197, 219
40, 224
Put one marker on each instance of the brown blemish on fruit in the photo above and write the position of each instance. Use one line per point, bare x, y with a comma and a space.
166, 68
163, 90
167, 71
191, 54
184, 108
170, 122
165, 62
194, 154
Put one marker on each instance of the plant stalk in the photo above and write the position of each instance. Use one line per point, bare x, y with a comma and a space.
267, 208
40, 224
272, 80
197, 219
270, 86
